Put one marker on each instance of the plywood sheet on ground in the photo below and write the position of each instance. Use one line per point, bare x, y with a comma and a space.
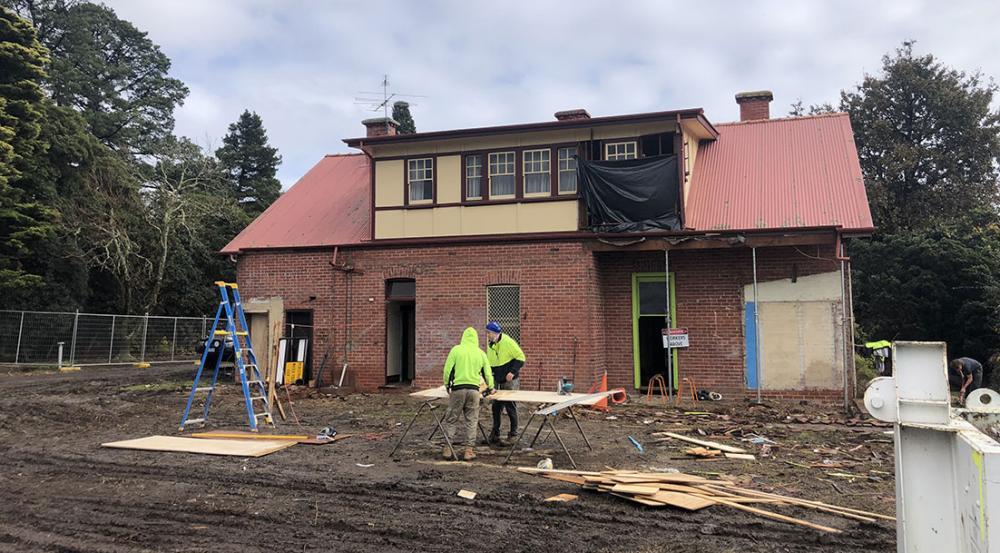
238, 448
527, 396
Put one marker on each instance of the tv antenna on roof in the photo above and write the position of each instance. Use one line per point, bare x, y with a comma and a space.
376, 101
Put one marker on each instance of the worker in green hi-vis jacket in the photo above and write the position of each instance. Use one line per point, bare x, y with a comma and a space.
464, 370
506, 358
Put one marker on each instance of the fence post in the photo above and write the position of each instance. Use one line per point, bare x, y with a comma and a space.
145, 328
20, 329
72, 348
111, 344
204, 325
60, 353
173, 342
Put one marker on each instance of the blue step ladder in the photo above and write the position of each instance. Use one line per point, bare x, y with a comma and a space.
230, 314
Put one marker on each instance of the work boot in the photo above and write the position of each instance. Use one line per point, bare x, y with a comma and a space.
447, 453
469, 454
494, 438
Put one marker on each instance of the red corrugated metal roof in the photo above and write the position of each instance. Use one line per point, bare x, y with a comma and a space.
779, 173
329, 206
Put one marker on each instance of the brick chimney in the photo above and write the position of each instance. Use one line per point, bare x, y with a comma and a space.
381, 126
755, 105
572, 114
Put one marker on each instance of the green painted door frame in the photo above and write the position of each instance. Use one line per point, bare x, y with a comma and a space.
651, 277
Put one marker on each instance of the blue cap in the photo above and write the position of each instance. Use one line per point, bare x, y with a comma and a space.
493, 326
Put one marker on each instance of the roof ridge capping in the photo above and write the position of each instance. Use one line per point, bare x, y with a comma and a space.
344, 154
784, 119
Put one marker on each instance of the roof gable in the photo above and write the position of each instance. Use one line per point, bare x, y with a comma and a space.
779, 173
329, 206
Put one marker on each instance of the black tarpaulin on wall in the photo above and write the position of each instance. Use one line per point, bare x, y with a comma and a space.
631, 195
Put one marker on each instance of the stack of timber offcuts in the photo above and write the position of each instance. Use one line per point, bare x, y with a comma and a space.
693, 493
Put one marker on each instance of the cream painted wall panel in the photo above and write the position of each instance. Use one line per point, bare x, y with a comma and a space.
389, 183
419, 222
489, 219
390, 224
448, 221
823, 356
556, 216
801, 345
824, 286
449, 179
781, 347
691, 150
616, 131
547, 217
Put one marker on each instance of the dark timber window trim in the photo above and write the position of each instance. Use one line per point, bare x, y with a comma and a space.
421, 181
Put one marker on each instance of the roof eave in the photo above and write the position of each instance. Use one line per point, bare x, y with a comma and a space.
691, 113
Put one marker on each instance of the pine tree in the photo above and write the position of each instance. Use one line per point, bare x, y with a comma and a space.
24, 221
250, 164
401, 113
107, 70
928, 140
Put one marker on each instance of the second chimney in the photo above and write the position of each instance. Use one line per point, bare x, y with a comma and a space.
755, 105
381, 126
572, 114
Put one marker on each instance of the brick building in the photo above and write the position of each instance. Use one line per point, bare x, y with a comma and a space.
383, 257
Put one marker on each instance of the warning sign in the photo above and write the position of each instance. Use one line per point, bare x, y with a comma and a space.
675, 337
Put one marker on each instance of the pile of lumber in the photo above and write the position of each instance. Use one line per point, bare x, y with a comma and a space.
690, 492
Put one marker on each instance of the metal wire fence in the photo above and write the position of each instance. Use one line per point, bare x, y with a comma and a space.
51, 338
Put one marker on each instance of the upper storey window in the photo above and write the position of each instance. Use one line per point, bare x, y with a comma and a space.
420, 179
614, 151
537, 172
502, 176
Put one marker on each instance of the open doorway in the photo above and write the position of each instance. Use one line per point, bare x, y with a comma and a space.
299, 330
649, 318
400, 331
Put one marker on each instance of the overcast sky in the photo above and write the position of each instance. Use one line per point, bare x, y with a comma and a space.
300, 64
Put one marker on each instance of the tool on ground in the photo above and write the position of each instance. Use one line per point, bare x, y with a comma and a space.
230, 313
322, 365
636, 444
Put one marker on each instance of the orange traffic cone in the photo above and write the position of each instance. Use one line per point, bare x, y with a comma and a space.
602, 387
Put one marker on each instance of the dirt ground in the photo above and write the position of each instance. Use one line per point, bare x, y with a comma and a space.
60, 491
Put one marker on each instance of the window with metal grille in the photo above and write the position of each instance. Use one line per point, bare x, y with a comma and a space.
503, 305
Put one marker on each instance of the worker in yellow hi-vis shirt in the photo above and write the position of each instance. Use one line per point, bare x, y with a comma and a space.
506, 359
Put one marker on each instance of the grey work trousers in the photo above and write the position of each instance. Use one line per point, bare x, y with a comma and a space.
510, 406
462, 419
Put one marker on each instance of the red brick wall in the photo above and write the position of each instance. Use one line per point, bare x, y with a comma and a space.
709, 293
568, 295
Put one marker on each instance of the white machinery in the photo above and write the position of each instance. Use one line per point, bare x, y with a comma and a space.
947, 468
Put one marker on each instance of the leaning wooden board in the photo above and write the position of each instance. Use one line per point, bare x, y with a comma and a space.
238, 448
527, 396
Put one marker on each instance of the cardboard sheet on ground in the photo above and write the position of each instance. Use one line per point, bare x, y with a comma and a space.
527, 396
238, 448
